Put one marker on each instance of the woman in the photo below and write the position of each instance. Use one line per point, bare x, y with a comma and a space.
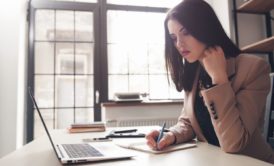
225, 91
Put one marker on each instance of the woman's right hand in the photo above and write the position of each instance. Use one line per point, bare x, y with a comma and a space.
168, 139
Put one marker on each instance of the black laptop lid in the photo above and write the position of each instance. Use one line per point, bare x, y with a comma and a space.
40, 115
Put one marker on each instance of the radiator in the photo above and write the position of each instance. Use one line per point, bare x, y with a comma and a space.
141, 122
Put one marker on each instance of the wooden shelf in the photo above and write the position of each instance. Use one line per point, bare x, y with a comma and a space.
259, 6
266, 45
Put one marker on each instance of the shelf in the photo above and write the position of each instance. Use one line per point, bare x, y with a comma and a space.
258, 6
266, 45
271, 142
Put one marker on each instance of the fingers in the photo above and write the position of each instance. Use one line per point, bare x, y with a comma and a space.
209, 51
167, 140
219, 50
151, 137
164, 142
214, 50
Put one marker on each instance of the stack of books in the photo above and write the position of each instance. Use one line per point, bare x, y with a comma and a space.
87, 127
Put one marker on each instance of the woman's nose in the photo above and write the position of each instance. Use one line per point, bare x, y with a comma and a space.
180, 43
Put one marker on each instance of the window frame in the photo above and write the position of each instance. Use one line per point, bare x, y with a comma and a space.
56, 5
99, 10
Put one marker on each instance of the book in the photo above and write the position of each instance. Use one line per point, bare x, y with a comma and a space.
141, 145
86, 127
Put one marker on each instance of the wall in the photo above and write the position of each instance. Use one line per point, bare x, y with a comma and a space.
221, 8
12, 39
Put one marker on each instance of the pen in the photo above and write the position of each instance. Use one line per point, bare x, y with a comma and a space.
125, 131
161, 134
99, 139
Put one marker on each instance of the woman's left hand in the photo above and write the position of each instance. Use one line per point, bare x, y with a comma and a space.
214, 63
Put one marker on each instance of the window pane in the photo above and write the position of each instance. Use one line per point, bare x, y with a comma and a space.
84, 58
44, 25
123, 27
137, 51
64, 91
84, 26
44, 58
117, 83
138, 83
155, 33
65, 117
156, 59
117, 59
48, 118
151, 3
138, 59
158, 87
174, 94
64, 58
116, 31
44, 91
64, 25
84, 91
84, 115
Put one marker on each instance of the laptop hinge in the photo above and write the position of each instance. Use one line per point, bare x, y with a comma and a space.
59, 152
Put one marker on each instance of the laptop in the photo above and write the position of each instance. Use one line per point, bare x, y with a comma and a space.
83, 152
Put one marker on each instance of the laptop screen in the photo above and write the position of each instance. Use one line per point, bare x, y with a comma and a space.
40, 115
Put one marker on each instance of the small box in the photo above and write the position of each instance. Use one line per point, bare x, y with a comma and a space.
128, 97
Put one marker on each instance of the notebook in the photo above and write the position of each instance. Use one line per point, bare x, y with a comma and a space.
140, 145
83, 152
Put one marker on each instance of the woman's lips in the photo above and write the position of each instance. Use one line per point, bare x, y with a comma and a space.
185, 53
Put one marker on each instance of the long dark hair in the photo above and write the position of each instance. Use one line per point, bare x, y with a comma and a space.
201, 22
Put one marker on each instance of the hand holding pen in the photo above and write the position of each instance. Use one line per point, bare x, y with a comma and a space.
157, 142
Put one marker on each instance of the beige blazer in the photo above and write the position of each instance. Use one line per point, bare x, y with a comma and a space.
236, 109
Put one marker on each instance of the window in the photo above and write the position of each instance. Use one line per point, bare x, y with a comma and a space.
63, 67
149, 3
136, 54
83, 51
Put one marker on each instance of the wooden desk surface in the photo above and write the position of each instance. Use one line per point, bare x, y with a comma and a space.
39, 152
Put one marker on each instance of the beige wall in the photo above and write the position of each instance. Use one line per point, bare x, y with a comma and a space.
222, 10
12, 39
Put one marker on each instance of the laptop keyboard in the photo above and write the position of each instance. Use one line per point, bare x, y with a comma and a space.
81, 150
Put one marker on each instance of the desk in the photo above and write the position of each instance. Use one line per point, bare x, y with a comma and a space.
39, 152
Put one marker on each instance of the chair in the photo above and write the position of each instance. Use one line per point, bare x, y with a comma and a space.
268, 111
